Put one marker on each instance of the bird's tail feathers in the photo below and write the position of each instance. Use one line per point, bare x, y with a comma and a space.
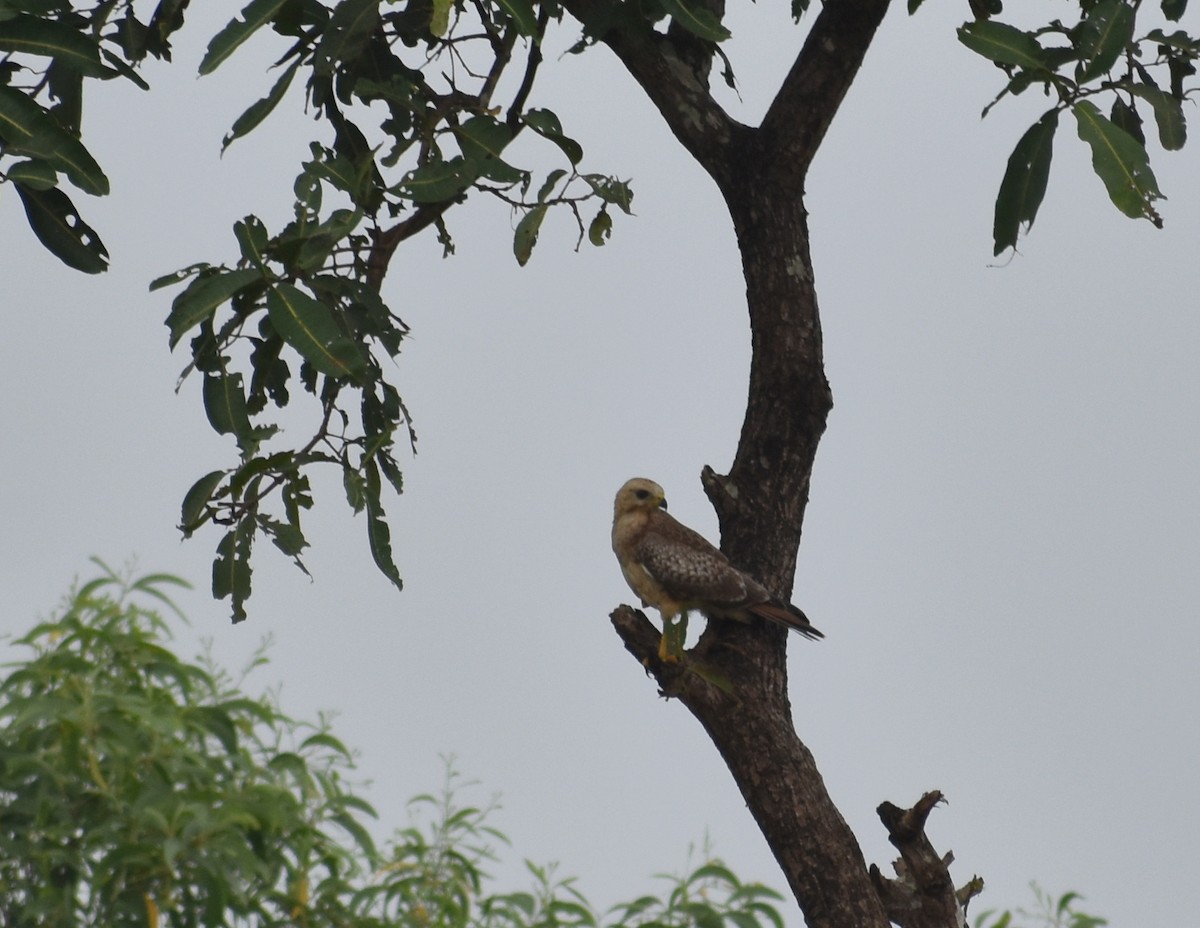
787, 616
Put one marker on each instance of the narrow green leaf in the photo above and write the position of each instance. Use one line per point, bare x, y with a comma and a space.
34, 174
1024, 183
549, 183
1168, 114
231, 569
260, 110
49, 38
522, 14
698, 20
58, 225
1120, 162
344, 37
196, 499
202, 297
1003, 44
378, 535
1104, 35
225, 404
527, 233
439, 22
546, 124
178, 277
914, 5
254, 16
30, 129
308, 326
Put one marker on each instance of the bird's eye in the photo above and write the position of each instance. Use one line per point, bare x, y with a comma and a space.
642, 494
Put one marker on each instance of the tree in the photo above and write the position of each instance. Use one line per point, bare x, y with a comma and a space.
312, 290
139, 788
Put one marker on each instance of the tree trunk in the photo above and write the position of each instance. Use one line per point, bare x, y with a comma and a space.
735, 680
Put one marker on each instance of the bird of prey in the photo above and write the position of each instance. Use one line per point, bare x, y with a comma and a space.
675, 570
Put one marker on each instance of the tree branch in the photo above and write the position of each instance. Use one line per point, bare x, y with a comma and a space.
814, 88
668, 75
922, 895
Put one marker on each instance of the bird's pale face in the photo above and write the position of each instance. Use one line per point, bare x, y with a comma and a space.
640, 495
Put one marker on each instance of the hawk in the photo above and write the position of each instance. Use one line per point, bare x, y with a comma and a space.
675, 570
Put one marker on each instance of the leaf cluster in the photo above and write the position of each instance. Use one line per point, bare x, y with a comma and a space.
1048, 913
1107, 68
49, 49
421, 103
137, 788
133, 783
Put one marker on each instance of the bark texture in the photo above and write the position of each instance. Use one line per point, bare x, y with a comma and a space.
735, 681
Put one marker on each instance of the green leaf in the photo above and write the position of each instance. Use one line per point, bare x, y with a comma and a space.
344, 37
546, 124
1173, 9
225, 404
287, 537
438, 181
611, 190
179, 276
600, 228
483, 139
202, 297
1024, 183
58, 225
231, 569
30, 129
252, 239
196, 499
1168, 114
49, 38
699, 21
527, 233
309, 327
439, 22
1003, 44
34, 174
1126, 117
522, 14
914, 5
1120, 162
260, 110
1104, 35
378, 535
254, 16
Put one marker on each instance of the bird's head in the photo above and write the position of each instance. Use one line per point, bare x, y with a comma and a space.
639, 495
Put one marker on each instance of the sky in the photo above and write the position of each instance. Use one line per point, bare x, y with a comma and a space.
1004, 529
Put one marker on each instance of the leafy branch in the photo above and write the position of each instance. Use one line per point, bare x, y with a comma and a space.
1101, 55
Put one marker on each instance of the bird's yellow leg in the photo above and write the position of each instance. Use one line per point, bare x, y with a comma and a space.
670, 646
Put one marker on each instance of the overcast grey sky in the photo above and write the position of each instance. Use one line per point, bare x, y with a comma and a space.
1004, 535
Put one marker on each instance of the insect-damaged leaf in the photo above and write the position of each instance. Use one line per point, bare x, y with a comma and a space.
254, 16
1024, 183
202, 297
59, 227
231, 568
1120, 162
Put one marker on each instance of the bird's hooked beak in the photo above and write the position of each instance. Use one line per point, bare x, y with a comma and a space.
662, 503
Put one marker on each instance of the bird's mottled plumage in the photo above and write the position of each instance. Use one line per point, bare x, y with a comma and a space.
675, 570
